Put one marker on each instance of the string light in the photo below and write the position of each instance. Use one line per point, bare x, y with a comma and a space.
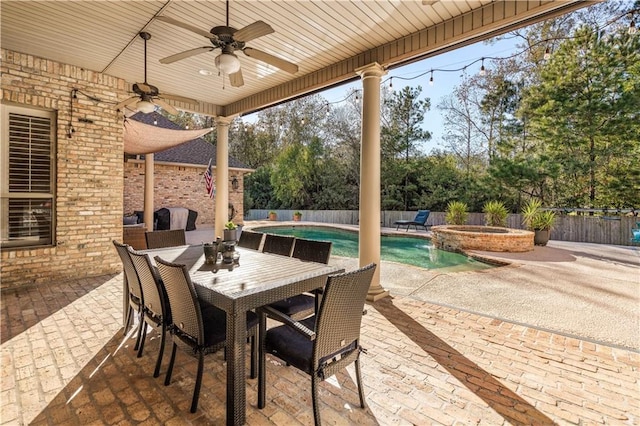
391, 83
546, 56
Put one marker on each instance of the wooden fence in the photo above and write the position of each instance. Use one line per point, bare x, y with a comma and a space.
588, 229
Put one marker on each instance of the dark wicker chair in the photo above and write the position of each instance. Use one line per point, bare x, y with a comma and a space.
156, 305
278, 244
197, 327
160, 239
323, 344
250, 240
136, 299
303, 305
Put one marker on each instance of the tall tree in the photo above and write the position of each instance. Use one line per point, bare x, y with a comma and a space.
586, 112
403, 137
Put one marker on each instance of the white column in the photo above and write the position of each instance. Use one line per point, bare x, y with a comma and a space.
222, 174
148, 191
369, 242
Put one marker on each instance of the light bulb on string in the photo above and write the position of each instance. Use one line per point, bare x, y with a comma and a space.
482, 70
391, 83
632, 27
431, 79
547, 54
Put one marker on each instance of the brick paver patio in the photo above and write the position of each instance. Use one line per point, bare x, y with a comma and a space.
65, 361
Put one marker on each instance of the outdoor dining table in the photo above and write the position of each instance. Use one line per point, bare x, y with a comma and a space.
256, 280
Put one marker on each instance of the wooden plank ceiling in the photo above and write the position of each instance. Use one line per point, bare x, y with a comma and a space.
328, 39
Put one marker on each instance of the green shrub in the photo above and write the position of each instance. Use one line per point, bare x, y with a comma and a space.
533, 217
456, 213
495, 213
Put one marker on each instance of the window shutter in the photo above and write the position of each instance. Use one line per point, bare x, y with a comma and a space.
28, 192
29, 154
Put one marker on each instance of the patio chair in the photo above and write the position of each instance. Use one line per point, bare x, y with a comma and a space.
160, 239
156, 305
250, 240
197, 327
635, 235
135, 296
323, 344
303, 305
278, 244
419, 220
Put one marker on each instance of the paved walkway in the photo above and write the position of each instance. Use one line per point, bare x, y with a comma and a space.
65, 361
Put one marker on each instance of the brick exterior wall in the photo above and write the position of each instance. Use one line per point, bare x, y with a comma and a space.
178, 186
89, 170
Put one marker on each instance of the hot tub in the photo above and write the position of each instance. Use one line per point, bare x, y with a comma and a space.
488, 238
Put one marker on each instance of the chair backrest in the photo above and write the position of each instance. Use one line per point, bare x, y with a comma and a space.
130, 273
340, 313
186, 317
160, 239
422, 216
312, 250
155, 297
250, 240
278, 244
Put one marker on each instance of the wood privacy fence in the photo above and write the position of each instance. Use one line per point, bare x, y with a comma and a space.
588, 229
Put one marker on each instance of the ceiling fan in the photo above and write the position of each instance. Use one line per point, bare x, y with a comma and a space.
148, 96
228, 40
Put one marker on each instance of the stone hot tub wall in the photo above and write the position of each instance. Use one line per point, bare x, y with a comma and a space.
488, 238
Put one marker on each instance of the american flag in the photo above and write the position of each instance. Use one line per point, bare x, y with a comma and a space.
208, 180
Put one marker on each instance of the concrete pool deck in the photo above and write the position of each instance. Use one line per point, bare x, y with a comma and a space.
589, 291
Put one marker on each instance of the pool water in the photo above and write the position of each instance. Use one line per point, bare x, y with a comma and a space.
409, 250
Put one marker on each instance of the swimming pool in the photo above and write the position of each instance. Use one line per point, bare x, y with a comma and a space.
409, 250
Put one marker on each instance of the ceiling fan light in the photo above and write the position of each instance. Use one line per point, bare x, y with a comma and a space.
227, 63
145, 106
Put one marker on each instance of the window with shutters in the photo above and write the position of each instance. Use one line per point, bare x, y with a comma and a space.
28, 177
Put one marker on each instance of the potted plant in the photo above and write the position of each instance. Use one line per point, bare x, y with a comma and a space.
456, 213
297, 216
273, 215
230, 231
495, 214
537, 220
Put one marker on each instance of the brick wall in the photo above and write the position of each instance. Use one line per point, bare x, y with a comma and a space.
178, 186
89, 170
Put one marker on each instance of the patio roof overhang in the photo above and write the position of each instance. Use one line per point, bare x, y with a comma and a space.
329, 40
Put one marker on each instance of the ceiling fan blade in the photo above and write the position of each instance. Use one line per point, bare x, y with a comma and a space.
179, 99
236, 79
144, 87
127, 102
253, 31
186, 26
271, 60
186, 54
165, 106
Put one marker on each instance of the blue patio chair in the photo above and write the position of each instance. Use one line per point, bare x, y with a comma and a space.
419, 220
636, 235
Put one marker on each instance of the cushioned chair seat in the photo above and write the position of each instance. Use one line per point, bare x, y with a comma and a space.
295, 305
215, 323
291, 345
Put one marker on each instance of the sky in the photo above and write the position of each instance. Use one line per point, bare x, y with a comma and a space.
443, 82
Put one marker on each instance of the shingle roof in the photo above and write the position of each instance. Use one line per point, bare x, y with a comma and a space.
197, 151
